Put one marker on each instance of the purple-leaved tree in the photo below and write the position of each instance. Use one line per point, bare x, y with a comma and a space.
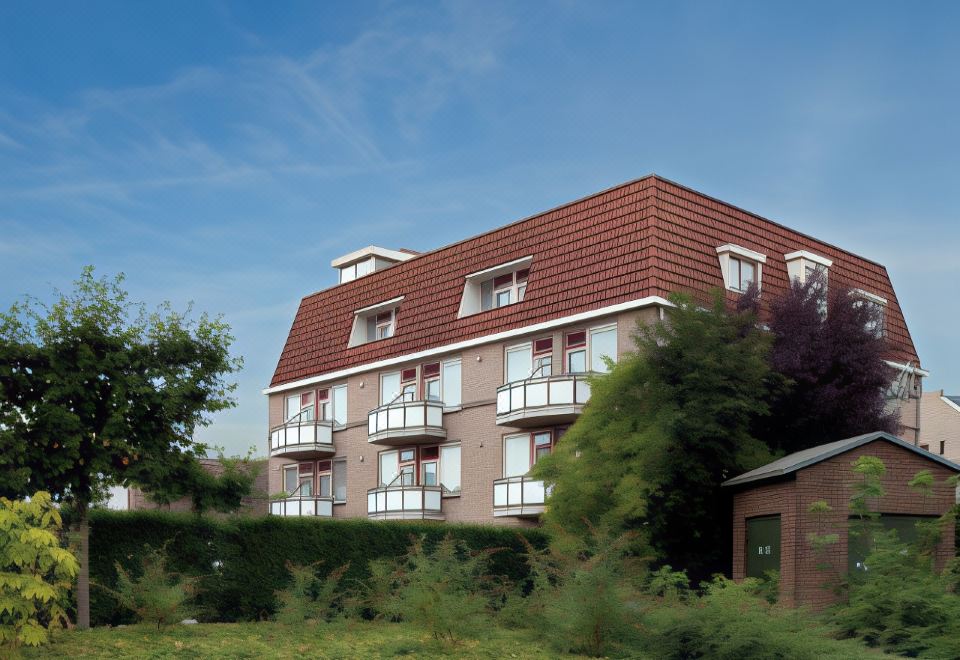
829, 349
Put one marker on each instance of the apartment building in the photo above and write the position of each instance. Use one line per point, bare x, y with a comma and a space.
425, 386
940, 421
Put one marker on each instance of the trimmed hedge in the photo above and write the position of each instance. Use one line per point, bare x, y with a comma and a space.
241, 560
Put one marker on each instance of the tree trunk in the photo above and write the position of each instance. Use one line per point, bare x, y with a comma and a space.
83, 578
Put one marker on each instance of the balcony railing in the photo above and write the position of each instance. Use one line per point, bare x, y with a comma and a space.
321, 507
542, 400
406, 422
405, 503
518, 496
302, 439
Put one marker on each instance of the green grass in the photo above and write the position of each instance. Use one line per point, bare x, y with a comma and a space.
273, 640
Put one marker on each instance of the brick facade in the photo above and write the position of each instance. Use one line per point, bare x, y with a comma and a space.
256, 503
802, 578
940, 421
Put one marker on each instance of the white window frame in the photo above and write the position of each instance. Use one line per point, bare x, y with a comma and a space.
471, 302
588, 347
616, 345
516, 348
797, 263
337, 415
730, 252
865, 297
333, 478
359, 334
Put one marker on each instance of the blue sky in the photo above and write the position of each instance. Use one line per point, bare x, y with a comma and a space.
224, 152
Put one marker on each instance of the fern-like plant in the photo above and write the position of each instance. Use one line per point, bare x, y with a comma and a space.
309, 596
156, 595
36, 572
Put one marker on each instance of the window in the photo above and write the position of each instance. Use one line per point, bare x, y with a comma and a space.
340, 405
355, 270
575, 351
380, 326
451, 383
339, 481
495, 287
300, 407
519, 362
740, 267
522, 451
305, 474
543, 357
450, 469
324, 478
431, 382
876, 307
374, 323
423, 466
743, 273
291, 479
801, 265
434, 381
603, 344
943, 447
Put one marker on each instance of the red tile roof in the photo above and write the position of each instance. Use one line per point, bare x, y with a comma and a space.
648, 237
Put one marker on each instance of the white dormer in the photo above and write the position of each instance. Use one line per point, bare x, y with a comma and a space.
375, 322
801, 264
499, 286
740, 267
369, 259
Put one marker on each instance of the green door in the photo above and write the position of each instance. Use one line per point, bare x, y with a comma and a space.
763, 545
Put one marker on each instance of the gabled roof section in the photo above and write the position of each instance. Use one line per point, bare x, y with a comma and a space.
642, 239
801, 459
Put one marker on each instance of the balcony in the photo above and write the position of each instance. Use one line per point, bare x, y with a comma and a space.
406, 423
518, 496
405, 503
302, 439
320, 507
542, 401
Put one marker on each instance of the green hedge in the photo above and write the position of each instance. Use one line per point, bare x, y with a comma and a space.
252, 553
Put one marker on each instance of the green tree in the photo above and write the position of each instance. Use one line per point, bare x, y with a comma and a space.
663, 430
35, 570
96, 391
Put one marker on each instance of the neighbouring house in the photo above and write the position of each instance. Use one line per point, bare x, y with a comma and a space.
427, 385
256, 503
771, 522
940, 421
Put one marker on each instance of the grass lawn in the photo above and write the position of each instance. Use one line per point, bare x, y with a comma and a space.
273, 640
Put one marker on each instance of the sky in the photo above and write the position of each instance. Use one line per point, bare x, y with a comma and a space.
224, 152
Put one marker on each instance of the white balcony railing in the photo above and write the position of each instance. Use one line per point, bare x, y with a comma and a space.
405, 503
303, 506
301, 439
546, 399
403, 422
519, 496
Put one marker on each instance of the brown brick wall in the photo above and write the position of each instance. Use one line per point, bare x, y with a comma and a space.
473, 426
940, 422
831, 480
257, 503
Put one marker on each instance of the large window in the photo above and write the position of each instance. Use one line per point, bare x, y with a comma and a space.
316, 479
740, 266
340, 480
575, 352
603, 344
422, 466
519, 362
743, 273
504, 290
340, 405
522, 451
299, 407
585, 349
433, 381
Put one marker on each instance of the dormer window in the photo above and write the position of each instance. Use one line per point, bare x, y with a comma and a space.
802, 265
877, 306
740, 267
495, 287
368, 260
375, 323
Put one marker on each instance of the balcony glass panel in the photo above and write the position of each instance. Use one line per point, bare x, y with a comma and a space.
561, 392
537, 393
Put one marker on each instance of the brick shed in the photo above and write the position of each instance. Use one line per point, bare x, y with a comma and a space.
771, 523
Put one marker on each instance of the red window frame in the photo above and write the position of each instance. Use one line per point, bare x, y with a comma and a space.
431, 372
542, 348
574, 341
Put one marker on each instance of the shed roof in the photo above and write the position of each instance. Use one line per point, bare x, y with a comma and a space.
801, 459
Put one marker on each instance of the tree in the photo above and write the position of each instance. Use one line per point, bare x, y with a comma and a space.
829, 348
95, 391
223, 492
663, 430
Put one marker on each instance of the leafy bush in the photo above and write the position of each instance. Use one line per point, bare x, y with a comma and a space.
241, 561
36, 573
731, 621
310, 597
442, 590
156, 595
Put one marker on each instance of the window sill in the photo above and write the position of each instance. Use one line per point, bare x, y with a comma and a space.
448, 495
450, 409
336, 502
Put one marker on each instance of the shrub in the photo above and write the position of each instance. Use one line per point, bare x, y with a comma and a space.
730, 621
310, 597
36, 573
242, 560
441, 590
157, 595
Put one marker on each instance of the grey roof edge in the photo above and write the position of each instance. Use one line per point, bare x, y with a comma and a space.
831, 449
